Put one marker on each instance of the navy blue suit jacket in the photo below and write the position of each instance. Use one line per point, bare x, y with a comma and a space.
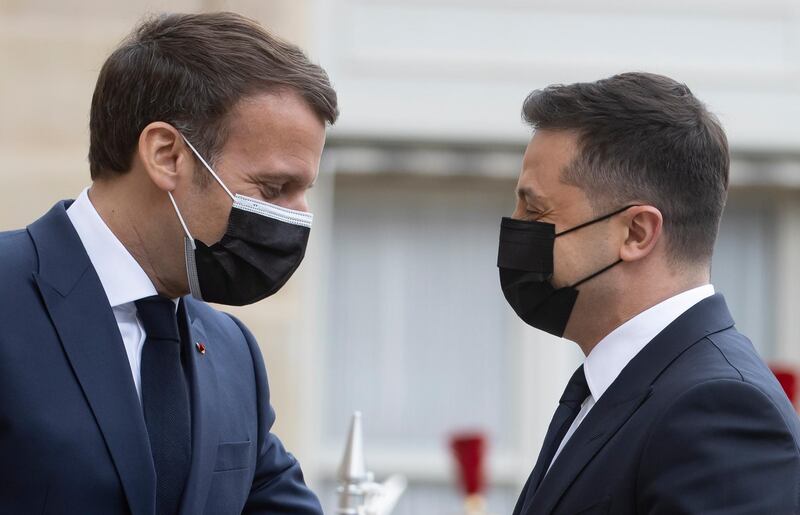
696, 423
72, 432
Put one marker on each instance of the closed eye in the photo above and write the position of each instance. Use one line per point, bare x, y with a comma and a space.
537, 215
273, 191
532, 214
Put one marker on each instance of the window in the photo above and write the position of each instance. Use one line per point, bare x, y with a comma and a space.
744, 264
419, 328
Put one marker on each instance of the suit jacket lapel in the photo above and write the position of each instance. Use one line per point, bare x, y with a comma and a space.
568, 408
597, 428
205, 431
79, 310
624, 397
558, 427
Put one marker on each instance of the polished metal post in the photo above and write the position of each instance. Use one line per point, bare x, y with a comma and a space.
353, 471
358, 493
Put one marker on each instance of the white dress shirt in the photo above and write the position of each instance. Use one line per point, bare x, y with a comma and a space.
613, 353
122, 278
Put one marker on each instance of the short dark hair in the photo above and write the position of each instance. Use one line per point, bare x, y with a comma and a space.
644, 138
189, 70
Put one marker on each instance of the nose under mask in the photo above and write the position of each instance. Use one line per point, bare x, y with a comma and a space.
525, 263
262, 247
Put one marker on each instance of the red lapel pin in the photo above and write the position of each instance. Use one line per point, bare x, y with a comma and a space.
201, 348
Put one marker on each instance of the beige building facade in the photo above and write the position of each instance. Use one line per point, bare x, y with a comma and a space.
396, 310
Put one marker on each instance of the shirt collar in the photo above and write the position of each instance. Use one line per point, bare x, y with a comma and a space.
613, 353
122, 278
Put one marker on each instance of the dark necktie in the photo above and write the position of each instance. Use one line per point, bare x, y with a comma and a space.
165, 401
570, 404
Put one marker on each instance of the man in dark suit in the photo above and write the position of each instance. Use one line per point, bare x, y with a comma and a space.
119, 393
619, 201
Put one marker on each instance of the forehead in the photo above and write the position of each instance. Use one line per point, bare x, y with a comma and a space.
274, 119
274, 137
547, 155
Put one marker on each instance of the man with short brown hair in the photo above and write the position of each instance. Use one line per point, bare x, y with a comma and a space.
119, 391
619, 201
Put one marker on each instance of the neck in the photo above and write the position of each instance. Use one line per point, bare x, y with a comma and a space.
120, 205
623, 304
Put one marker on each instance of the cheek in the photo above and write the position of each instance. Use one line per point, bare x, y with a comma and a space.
567, 261
218, 222
576, 258
563, 265
211, 218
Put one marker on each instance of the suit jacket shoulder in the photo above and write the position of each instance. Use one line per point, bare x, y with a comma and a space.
18, 294
724, 358
725, 440
18, 260
695, 423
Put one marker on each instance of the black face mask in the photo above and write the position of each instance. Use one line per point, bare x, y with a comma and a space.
262, 247
525, 260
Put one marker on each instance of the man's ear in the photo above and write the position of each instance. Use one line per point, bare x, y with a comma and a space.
644, 225
162, 152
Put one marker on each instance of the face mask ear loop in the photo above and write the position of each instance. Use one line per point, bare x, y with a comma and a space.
213, 174
183, 224
609, 267
590, 222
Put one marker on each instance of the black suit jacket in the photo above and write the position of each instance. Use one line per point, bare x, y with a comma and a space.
695, 423
72, 433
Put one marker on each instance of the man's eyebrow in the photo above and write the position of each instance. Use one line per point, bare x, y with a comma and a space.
280, 176
527, 193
